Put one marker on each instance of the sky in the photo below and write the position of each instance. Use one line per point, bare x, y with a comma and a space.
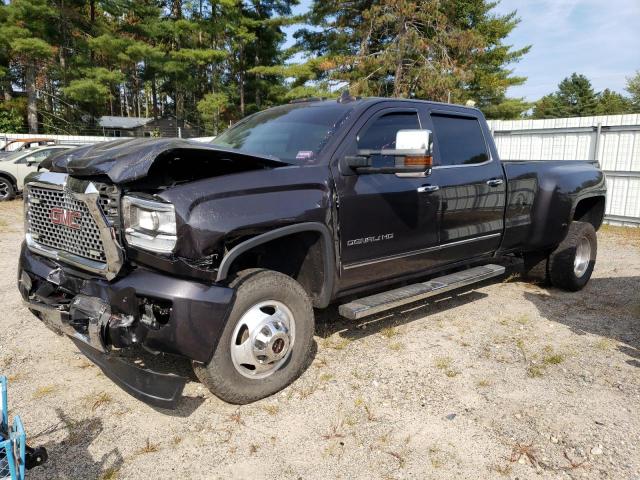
598, 38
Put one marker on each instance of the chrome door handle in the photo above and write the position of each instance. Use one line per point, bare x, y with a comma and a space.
494, 182
428, 188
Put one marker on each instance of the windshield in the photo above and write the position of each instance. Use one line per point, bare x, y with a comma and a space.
293, 133
11, 156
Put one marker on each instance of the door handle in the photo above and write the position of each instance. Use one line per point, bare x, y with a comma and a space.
494, 182
428, 188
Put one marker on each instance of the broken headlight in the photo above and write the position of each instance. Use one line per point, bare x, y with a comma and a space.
149, 224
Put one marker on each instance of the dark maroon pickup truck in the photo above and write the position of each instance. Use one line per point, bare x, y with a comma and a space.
220, 252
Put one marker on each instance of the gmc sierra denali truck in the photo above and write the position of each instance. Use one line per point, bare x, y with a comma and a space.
221, 252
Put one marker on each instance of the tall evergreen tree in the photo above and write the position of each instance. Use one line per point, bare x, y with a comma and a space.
444, 50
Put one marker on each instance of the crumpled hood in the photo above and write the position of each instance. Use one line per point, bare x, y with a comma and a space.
128, 160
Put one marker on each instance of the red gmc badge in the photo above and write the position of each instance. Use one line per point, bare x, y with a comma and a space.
68, 218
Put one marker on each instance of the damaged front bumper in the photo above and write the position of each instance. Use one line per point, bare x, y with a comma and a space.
144, 308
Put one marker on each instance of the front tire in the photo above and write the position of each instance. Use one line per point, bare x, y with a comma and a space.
571, 264
267, 341
7, 192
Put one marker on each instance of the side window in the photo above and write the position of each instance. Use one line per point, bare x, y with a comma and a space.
381, 134
459, 140
42, 154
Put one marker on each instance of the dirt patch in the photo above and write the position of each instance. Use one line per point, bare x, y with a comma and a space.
508, 380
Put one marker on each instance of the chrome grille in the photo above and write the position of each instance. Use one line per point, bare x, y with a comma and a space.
84, 241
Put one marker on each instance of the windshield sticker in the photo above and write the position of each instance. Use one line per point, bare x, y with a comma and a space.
304, 155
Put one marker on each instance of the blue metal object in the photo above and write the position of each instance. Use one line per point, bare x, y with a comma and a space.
12, 441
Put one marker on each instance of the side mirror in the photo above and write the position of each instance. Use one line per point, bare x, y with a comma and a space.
412, 156
31, 161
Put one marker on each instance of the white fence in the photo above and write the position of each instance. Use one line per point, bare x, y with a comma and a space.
612, 140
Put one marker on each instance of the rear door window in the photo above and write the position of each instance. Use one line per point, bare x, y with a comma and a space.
459, 140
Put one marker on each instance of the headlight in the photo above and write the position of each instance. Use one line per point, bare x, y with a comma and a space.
149, 224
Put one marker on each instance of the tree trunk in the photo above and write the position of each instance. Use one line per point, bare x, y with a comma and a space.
32, 99
397, 80
176, 9
154, 96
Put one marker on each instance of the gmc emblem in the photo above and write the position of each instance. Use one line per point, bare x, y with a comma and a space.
68, 218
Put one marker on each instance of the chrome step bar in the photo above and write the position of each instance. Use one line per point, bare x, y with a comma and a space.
380, 302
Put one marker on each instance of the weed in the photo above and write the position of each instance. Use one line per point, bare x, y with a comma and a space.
335, 342
334, 432
102, 398
307, 391
271, 408
436, 457
550, 357
535, 371
253, 449
605, 344
389, 332
502, 470
176, 440
395, 346
553, 359
110, 473
351, 421
626, 234
527, 451
484, 383
42, 392
401, 460
443, 363
326, 377
384, 438
236, 418
148, 448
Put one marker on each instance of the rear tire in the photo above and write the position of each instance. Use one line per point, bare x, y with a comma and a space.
571, 264
267, 342
7, 191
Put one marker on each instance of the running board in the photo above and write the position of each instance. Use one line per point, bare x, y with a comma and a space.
418, 291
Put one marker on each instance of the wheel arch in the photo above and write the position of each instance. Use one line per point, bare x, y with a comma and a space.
306, 245
11, 178
591, 210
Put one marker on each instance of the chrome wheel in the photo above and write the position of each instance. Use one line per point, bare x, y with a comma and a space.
262, 339
582, 258
4, 190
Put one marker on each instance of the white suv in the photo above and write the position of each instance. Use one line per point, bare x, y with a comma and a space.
16, 166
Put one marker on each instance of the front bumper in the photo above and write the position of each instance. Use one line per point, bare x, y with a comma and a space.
100, 315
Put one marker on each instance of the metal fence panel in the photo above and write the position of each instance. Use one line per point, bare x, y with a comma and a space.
613, 140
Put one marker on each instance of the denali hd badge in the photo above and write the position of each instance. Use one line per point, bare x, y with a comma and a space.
68, 218
375, 238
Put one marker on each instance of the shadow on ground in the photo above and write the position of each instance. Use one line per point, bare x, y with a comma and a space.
74, 449
608, 307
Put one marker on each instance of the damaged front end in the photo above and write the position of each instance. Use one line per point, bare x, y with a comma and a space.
142, 309
76, 277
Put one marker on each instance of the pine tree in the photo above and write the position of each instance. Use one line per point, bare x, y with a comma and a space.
612, 103
442, 50
633, 87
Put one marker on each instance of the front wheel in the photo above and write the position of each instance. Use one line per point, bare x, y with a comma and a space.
7, 192
267, 341
571, 264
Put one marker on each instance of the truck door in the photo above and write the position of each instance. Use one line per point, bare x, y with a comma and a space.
387, 222
472, 186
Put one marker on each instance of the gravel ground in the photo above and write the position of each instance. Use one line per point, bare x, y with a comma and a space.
510, 380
